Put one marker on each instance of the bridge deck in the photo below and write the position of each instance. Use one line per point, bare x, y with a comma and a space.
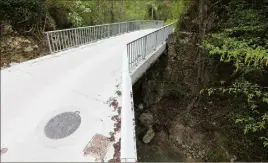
83, 83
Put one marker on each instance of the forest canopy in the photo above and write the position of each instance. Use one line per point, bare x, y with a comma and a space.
41, 15
241, 41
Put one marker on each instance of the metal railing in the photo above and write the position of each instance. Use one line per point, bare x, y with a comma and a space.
64, 39
138, 49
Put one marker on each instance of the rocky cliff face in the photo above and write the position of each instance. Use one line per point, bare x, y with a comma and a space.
184, 129
170, 94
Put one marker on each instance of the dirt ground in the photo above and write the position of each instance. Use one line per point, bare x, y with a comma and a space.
179, 138
16, 48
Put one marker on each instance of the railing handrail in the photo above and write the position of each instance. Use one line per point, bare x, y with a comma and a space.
60, 40
150, 33
59, 30
140, 48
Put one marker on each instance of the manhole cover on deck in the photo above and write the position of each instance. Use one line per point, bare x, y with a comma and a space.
62, 125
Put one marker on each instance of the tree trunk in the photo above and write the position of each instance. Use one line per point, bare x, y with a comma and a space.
2, 26
112, 12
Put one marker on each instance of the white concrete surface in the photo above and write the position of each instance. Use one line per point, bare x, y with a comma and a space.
128, 138
81, 79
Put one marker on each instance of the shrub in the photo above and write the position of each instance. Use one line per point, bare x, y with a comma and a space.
243, 43
24, 15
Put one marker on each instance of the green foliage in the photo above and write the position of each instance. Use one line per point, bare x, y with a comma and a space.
67, 14
243, 42
76, 14
177, 9
23, 14
241, 52
265, 141
136, 10
16, 10
174, 21
254, 117
76, 19
254, 96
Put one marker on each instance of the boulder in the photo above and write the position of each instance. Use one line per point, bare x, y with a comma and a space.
149, 135
28, 49
8, 29
146, 119
141, 107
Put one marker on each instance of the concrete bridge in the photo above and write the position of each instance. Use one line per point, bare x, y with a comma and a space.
76, 104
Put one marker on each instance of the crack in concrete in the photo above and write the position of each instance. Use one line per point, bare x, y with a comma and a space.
90, 97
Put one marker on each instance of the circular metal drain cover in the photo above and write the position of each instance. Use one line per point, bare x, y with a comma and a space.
62, 125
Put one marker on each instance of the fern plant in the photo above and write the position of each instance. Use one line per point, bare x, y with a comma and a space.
243, 42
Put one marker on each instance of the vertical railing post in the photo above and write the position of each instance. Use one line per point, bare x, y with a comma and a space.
56, 41
62, 39
128, 55
93, 34
127, 27
48, 40
102, 32
76, 37
145, 47
119, 29
65, 39
164, 34
156, 39
108, 30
